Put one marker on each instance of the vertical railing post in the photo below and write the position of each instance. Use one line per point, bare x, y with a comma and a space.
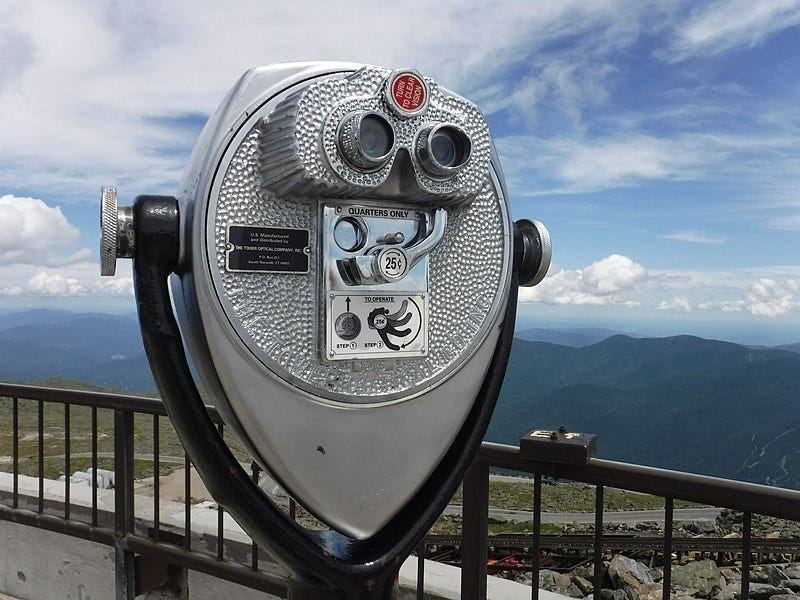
254, 473
40, 437
598, 540
536, 547
156, 479
669, 506
67, 462
187, 502
475, 530
421, 551
747, 528
123, 503
15, 449
94, 465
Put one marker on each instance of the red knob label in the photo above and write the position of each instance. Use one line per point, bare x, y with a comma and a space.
408, 92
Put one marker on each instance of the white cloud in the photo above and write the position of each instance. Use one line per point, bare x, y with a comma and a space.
55, 284
725, 25
606, 282
788, 223
769, 298
620, 281
40, 257
677, 303
141, 64
579, 164
78, 280
694, 237
33, 233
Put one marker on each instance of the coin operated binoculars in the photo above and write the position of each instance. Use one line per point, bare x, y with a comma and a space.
344, 268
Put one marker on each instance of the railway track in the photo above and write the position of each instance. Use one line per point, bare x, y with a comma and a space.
513, 542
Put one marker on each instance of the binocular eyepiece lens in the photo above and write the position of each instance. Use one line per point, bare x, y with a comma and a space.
443, 150
366, 140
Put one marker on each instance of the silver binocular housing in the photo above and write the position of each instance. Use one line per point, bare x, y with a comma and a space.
346, 258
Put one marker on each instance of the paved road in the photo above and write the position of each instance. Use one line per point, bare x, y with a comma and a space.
622, 516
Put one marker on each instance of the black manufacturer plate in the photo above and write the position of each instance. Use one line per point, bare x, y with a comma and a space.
267, 250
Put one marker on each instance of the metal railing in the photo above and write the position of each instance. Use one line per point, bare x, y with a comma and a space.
120, 425
671, 485
121, 529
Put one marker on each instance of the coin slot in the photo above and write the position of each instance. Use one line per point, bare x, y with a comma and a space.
350, 234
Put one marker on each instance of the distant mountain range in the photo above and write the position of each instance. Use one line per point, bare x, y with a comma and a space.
98, 348
682, 402
576, 337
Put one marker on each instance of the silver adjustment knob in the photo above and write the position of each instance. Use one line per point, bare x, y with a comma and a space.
537, 251
116, 231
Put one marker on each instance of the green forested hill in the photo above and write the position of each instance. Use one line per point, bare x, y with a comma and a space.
682, 403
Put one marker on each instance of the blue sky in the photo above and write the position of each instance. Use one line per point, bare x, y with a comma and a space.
659, 141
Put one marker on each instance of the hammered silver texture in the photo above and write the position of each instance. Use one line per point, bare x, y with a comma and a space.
279, 316
300, 155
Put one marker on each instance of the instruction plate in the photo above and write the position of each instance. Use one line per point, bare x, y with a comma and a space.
372, 325
253, 249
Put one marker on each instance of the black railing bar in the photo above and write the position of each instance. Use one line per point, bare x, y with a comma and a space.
271, 583
536, 550
220, 532
40, 424
422, 550
254, 471
67, 461
97, 399
220, 512
598, 539
747, 529
156, 479
738, 495
187, 502
123, 472
124, 521
474, 526
15, 449
669, 512
94, 465
58, 524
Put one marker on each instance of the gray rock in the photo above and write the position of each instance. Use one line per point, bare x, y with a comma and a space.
792, 571
729, 592
703, 575
791, 584
784, 597
731, 575
703, 526
586, 571
525, 578
558, 583
606, 594
584, 585
623, 570
763, 591
631, 576
770, 574
726, 594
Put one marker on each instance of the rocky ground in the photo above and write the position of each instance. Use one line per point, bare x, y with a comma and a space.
623, 578
627, 579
